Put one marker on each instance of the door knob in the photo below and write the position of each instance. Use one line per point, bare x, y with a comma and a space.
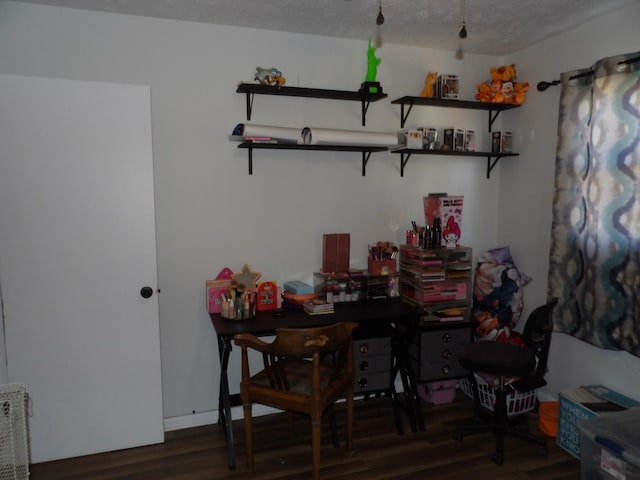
146, 292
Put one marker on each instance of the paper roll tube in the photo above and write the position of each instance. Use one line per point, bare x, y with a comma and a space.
326, 136
281, 134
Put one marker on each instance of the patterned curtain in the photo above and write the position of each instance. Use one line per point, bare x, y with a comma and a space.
595, 234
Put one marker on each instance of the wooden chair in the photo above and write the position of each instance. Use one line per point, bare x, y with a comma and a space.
305, 371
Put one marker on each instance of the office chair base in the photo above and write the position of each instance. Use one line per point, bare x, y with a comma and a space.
500, 432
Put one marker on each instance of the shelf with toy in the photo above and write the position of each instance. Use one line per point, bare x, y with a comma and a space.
363, 96
365, 150
493, 108
492, 157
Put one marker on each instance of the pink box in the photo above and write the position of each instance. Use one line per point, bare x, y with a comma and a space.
449, 210
439, 392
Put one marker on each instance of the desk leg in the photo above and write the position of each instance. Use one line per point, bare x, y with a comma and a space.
403, 367
224, 402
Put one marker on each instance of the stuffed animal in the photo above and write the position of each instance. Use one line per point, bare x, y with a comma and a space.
484, 92
269, 76
503, 87
429, 84
520, 92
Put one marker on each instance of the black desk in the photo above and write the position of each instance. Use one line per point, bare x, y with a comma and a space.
264, 323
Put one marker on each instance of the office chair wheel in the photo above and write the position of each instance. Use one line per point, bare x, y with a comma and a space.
498, 458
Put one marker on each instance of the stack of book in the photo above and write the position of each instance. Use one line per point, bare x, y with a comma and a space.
318, 306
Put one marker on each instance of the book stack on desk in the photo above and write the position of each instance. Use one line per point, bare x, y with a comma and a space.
317, 306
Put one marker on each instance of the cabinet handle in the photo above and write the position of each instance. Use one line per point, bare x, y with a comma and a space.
446, 338
364, 365
446, 354
446, 369
364, 348
362, 382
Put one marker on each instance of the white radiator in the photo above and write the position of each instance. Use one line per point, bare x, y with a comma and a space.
14, 439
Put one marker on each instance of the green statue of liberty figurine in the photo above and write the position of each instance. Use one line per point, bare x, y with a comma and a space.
372, 64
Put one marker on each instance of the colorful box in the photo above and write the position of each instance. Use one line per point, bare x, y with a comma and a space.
438, 392
267, 296
449, 210
581, 404
215, 289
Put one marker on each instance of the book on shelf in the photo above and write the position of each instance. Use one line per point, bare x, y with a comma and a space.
455, 314
318, 306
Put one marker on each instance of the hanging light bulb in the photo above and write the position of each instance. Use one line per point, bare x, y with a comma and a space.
462, 33
380, 17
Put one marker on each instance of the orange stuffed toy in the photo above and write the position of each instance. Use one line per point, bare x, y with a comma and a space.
503, 87
429, 84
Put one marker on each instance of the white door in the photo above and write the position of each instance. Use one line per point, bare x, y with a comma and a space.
77, 244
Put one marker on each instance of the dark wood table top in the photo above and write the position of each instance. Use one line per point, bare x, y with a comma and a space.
364, 312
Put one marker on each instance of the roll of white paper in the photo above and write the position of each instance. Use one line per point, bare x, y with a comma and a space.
245, 131
327, 136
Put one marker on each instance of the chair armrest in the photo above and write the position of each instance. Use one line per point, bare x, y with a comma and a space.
251, 341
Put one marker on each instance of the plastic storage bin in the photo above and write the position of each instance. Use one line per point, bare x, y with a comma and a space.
610, 446
517, 402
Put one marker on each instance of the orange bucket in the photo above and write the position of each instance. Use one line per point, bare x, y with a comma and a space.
548, 418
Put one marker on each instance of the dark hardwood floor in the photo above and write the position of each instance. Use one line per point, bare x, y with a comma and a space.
379, 453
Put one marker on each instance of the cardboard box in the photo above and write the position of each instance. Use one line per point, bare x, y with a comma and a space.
447, 86
429, 138
414, 139
469, 140
449, 209
581, 404
501, 142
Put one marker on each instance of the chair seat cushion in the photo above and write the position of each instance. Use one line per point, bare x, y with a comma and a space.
298, 374
498, 358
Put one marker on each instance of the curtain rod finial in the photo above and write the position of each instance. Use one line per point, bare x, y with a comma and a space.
542, 86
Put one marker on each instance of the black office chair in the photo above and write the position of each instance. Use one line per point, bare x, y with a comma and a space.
505, 361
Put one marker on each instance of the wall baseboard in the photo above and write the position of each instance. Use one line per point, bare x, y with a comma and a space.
211, 417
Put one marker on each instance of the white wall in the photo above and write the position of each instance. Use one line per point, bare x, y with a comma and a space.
212, 214
526, 189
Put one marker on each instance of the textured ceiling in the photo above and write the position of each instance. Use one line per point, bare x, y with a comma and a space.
495, 27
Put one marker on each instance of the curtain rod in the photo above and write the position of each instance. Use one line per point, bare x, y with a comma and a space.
542, 86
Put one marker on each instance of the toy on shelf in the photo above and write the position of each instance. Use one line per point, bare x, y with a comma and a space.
429, 84
502, 88
270, 76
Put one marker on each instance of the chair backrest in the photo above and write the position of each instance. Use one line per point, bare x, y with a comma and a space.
537, 334
291, 344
